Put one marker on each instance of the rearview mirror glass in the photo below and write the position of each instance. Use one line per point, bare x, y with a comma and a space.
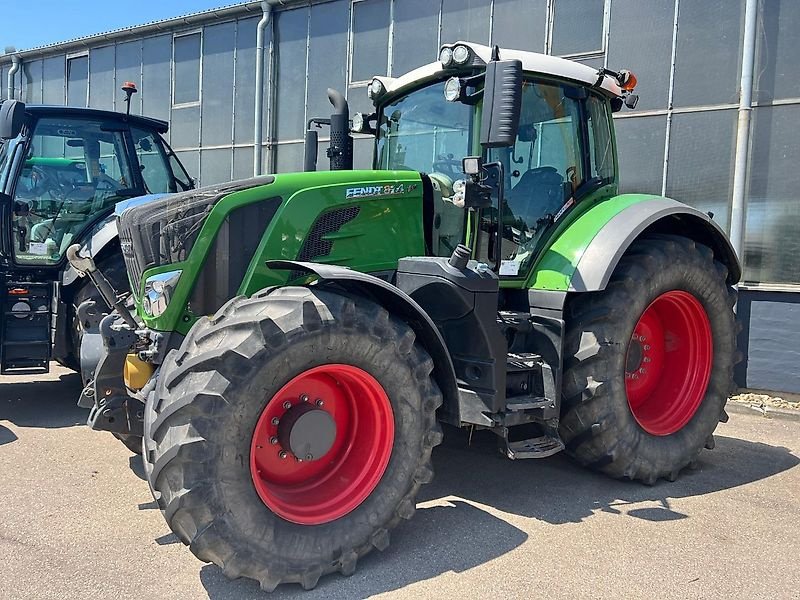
12, 113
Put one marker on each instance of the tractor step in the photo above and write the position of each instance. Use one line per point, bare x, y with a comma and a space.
25, 331
537, 447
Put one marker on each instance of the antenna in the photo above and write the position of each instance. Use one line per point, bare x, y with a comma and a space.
130, 89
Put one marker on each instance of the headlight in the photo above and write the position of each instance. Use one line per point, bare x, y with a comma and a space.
452, 89
358, 122
376, 89
446, 57
158, 290
460, 55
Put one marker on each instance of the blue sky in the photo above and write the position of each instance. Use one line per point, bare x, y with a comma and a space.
33, 23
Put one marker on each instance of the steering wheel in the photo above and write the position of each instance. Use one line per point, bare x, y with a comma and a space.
49, 184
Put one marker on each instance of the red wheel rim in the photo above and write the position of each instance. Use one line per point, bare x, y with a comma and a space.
668, 363
359, 419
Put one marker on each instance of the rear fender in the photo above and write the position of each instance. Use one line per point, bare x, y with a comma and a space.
399, 304
585, 254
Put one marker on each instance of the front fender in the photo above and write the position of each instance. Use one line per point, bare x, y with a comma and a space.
584, 255
399, 304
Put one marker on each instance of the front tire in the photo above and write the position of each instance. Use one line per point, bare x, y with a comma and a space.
256, 475
649, 362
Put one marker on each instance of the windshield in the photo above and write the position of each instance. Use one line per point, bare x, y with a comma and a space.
424, 132
75, 168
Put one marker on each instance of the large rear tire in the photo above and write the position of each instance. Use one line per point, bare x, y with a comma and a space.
649, 362
290, 433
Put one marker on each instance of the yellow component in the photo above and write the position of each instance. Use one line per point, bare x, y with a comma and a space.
137, 372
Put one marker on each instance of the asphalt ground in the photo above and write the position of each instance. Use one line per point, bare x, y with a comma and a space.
77, 521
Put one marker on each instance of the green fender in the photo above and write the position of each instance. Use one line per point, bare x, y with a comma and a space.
583, 254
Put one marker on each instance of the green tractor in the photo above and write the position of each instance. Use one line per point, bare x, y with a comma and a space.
300, 337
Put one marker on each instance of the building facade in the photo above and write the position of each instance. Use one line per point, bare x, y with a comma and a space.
199, 72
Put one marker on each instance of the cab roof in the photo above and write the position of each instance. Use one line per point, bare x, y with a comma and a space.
42, 110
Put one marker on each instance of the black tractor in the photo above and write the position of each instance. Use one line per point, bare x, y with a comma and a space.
62, 171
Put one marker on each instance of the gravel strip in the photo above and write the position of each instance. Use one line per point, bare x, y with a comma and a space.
764, 402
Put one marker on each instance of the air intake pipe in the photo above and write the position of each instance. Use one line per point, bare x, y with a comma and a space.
340, 152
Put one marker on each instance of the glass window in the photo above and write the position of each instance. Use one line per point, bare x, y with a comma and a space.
128, 67
772, 244
701, 154
414, 44
184, 132
32, 81
519, 24
708, 52
577, 26
153, 162
101, 78
423, 132
53, 91
370, 39
77, 80
601, 145
186, 85
59, 193
640, 149
542, 169
218, 43
327, 57
215, 165
244, 102
291, 42
777, 72
465, 20
641, 41
289, 158
155, 89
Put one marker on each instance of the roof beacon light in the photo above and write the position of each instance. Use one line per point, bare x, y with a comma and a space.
627, 80
460, 54
130, 89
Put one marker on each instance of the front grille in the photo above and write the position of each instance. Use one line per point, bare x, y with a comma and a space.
131, 264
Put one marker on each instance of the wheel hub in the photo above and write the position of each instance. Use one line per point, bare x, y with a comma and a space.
307, 432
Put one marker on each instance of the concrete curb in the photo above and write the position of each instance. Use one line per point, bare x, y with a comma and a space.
742, 408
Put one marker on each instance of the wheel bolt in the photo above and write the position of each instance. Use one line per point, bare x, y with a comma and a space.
319, 402
309, 457
273, 440
287, 405
642, 338
646, 359
303, 398
275, 420
647, 346
642, 370
283, 454
634, 376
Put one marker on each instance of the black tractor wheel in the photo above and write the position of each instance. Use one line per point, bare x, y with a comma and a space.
290, 433
649, 362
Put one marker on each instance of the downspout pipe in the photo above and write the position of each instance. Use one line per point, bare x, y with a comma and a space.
16, 63
258, 138
738, 214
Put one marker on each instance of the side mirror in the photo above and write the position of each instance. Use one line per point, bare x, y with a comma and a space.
12, 114
310, 150
502, 101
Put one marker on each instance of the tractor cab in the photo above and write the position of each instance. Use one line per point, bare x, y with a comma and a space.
62, 170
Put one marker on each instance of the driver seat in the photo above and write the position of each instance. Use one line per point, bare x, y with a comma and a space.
538, 192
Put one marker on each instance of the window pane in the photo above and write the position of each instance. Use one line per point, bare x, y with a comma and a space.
187, 69
53, 80
242, 163
640, 153
101, 78
708, 52
32, 81
215, 166
289, 158
64, 192
601, 147
291, 43
77, 80
129, 68
415, 41
577, 26
701, 153
245, 81
190, 159
363, 152
152, 162
520, 24
328, 55
155, 88
772, 245
184, 130
641, 41
370, 39
465, 20
218, 84
778, 70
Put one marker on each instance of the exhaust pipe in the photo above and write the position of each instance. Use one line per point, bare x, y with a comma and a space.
340, 152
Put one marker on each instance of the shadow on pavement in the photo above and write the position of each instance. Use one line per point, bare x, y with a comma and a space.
443, 538
48, 404
439, 539
6, 435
